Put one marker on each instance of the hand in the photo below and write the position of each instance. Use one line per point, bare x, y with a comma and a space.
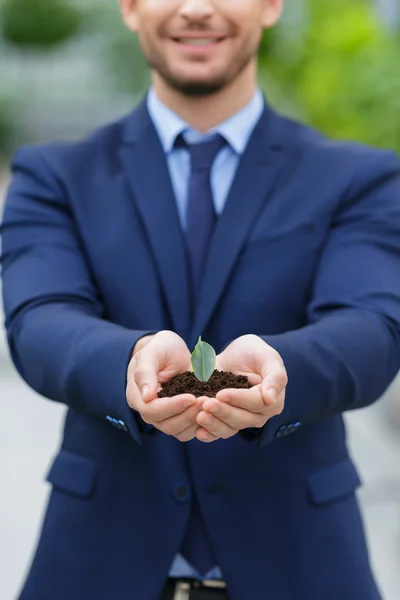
236, 409
158, 359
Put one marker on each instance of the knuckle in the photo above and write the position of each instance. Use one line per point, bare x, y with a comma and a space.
274, 354
282, 378
140, 371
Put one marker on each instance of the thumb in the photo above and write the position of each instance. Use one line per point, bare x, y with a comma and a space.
146, 375
274, 381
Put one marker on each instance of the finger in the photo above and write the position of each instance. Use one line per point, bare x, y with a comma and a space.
146, 366
236, 418
188, 434
250, 400
205, 436
279, 405
274, 382
177, 424
214, 426
160, 409
133, 395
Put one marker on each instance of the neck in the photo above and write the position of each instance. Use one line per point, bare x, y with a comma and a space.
205, 112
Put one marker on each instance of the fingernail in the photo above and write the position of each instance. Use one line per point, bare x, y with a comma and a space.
145, 389
272, 394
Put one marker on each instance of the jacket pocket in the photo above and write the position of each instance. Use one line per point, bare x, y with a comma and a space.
333, 483
73, 474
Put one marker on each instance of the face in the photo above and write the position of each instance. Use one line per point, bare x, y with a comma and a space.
200, 46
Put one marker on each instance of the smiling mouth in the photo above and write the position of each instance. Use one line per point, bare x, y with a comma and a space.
198, 41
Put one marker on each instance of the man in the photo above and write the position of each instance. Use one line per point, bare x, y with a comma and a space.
203, 213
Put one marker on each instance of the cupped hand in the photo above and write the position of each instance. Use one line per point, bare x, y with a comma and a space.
235, 409
163, 357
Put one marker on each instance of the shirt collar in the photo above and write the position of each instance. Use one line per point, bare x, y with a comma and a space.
236, 130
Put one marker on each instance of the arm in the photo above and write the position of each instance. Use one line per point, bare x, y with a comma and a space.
59, 340
350, 351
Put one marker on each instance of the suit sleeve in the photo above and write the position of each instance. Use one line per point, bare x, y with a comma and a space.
59, 339
349, 352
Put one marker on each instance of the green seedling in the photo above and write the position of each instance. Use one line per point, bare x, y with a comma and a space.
203, 360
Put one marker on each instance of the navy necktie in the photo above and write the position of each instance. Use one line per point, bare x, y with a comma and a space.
201, 219
200, 214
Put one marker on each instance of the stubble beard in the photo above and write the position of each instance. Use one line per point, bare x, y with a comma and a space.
197, 89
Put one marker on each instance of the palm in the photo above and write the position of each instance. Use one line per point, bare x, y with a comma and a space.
241, 358
172, 353
176, 362
169, 373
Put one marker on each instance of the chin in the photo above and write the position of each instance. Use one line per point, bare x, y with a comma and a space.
197, 87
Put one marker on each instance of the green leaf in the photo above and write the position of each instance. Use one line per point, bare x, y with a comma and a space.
203, 360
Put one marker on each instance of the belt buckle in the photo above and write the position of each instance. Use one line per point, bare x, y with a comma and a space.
182, 591
214, 583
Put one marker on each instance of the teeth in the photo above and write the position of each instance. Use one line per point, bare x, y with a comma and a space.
199, 41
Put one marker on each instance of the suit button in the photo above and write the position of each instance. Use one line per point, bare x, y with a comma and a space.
181, 492
281, 431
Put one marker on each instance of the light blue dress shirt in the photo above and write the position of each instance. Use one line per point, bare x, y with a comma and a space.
236, 130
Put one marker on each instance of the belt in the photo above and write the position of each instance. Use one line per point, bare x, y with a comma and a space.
191, 589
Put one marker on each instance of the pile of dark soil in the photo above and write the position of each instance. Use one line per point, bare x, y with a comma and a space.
187, 383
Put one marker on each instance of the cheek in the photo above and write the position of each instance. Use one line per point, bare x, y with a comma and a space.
245, 17
149, 34
153, 13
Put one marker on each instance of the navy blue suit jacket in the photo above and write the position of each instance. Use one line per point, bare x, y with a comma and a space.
306, 254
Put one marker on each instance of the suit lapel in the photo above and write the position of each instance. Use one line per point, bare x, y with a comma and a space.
260, 171
148, 176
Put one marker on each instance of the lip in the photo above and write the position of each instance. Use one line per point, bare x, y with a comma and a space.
188, 43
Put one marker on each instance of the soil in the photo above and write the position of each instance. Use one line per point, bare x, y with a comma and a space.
187, 383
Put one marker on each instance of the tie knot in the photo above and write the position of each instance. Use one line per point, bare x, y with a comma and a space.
202, 154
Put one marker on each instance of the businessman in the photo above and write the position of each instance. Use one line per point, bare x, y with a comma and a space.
203, 212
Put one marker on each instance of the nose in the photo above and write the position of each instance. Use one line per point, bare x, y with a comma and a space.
196, 9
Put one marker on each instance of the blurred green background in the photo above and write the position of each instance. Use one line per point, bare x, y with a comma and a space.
68, 65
